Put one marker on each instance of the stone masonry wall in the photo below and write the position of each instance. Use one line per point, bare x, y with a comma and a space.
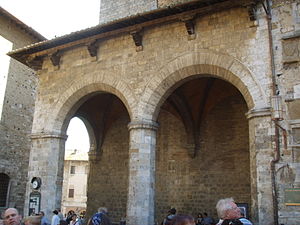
221, 168
128, 74
17, 116
112, 10
108, 178
286, 32
190, 185
233, 34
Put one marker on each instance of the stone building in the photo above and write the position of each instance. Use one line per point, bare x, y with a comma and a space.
17, 95
185, 102
76, 170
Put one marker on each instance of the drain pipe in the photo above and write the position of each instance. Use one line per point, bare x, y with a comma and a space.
275, 92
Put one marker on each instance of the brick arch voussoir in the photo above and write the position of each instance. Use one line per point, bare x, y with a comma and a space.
204, 63
70, 100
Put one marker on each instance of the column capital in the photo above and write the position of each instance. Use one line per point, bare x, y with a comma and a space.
143, 124
43, 135
261, 112
94, 155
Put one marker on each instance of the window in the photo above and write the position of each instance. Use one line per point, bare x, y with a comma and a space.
72, 170
4, 187
71, 193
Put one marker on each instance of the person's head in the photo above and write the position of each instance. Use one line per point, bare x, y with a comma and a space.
74, 217
32, 220
205, 214
55, 212
232, 222
11, 217
172, 211
200, 215
182, 220
227, 209
102, 210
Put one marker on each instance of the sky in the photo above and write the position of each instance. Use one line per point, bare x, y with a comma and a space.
54, 18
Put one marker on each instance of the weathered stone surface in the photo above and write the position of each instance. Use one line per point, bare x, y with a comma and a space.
148, 78
17, 115
228, 48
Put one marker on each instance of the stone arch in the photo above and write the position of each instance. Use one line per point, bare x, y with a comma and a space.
204, 63
81, 90
6, 171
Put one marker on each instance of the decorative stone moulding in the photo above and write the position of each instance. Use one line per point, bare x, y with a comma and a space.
48, 135
290, 47
253, 113
151, 125
94, 156
190, 26
93, 48
137, 38
289, 96
34, 62
55, 58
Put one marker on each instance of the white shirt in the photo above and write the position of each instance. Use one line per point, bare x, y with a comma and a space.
55, 220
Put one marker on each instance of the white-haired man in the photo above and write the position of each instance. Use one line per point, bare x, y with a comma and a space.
11, 217
227, 209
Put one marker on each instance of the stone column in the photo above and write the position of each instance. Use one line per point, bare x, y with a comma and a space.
261, 132
140, 203
46, 161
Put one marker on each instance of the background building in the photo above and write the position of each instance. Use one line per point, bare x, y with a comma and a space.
17, 96
76, 171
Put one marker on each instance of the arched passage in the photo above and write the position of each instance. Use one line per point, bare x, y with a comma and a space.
250, 95
202, 151
107, 118
104, 109
65, 105
202, 63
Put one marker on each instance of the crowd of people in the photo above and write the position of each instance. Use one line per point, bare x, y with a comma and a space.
228, 212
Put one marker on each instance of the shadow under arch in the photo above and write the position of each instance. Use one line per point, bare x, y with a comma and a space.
200, 64
76, 95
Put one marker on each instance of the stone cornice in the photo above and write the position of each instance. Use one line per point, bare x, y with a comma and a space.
149, 125
262, 112
48, 135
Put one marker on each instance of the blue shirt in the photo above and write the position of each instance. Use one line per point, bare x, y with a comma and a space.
245, 221
45, 221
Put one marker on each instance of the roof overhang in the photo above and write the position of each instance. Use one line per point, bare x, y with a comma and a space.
30, 31
33, 55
